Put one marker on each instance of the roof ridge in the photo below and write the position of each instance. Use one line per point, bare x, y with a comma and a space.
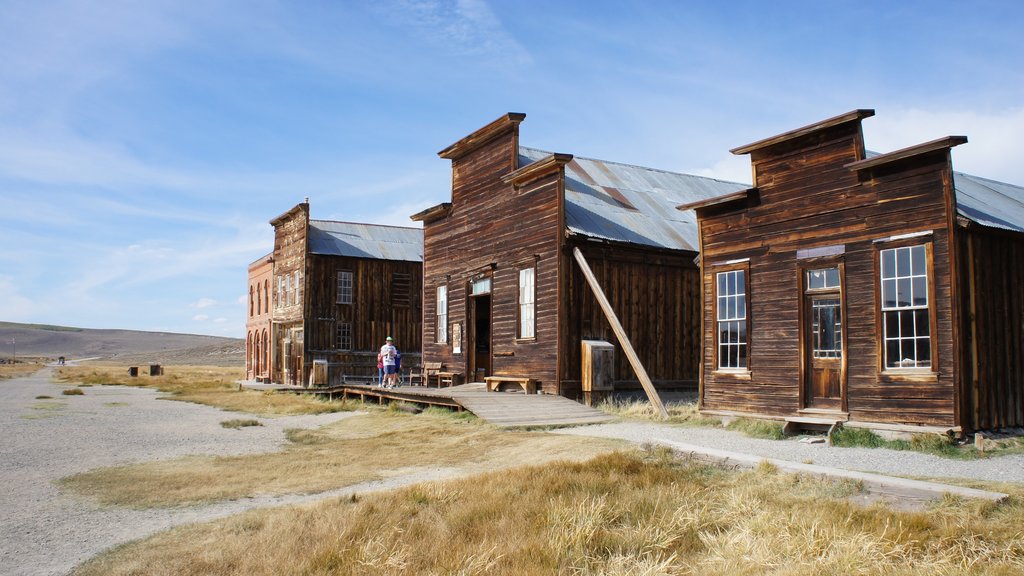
661, 170
311, 220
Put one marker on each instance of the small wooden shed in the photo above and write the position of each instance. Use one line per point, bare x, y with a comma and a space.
338, 290
880, 290
503, 293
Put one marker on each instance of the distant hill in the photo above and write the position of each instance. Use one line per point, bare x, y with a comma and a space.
130, 346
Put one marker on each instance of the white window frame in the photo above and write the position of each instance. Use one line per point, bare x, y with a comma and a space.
528, 302
346, 287
919, 286
731, 315
441, 327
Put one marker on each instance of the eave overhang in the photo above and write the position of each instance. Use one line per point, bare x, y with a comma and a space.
907, 153
442, 210
536, 170
719, 200
851, 116
482, 136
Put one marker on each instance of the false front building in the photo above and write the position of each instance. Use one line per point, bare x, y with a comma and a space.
885, 291
503, 292
337, 290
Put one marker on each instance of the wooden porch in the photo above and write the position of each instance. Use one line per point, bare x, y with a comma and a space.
504, 409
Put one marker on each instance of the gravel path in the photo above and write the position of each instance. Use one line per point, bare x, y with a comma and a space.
44, 531
882, 461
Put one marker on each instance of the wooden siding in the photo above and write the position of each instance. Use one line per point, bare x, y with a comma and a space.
993, 277
375, 313
494, 229
808, 198
291, 232
655, 294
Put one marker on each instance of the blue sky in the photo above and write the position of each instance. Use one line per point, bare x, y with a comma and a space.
144, 146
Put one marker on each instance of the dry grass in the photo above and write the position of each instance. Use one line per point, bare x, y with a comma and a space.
18, 370
210, 385
358, 449
684, 413
623, 513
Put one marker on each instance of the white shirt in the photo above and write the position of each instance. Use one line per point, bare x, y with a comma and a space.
388, 353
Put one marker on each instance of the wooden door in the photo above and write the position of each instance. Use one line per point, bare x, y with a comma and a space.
823, 340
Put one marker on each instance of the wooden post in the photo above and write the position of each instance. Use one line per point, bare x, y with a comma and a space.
620, 333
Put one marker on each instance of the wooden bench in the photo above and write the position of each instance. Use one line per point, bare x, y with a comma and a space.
430, 370
448, 378
528, 384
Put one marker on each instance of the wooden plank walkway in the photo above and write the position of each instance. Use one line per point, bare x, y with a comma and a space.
504, 409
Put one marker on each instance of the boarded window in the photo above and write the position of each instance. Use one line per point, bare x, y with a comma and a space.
401, 289
731, 314
344, 336
344, 286
527, 305
906, 320
441, 327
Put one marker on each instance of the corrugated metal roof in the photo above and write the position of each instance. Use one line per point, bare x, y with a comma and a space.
365, 240
988, 202
632, 204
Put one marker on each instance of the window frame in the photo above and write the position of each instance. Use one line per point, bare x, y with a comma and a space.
339, 293
339, 343
727, 268
520, 335
441, 326
912, 373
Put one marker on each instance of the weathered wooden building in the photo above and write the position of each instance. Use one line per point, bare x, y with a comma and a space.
338, 290
877, 290
503, 294
258, 320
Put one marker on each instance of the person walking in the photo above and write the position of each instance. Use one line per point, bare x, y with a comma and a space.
389, 355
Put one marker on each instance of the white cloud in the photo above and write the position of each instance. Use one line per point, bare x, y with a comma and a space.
730, 167
203, 303
243, 300
13, 305
220, 320
994, 138
200, 317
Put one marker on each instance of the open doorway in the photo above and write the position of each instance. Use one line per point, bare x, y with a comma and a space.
479, 344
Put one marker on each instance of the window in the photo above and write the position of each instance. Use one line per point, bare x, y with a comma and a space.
344, 335
527, 306
298, 287
442, 315
731, 306
401, 289
250, 301
905, 315
287, 296
344, 287
280, 294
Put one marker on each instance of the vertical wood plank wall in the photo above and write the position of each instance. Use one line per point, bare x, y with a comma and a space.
374, 313
993, 323
655, 294
290, 242
494, 229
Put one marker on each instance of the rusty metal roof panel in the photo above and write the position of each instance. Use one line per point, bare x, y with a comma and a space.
374, 241
626, 203
989, 202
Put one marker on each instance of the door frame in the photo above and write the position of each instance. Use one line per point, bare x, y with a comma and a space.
804, 296
470, 330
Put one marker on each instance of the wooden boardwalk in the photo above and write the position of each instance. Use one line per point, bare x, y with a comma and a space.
504, 409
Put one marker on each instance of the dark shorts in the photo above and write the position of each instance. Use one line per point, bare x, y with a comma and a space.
390, 369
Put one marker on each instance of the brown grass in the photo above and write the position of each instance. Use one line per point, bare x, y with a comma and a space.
354, 450
622, 513
209, 385
684, 413
18, 370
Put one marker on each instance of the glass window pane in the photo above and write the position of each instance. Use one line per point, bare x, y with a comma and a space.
741, 287
741, 306
723, 356
889, 294
920, 290
906, 323
921, 323
721, 285
924, 352
919, 260
903, 296
908, 353
832, 277
892, 325
742, 356
888, 263
903, 262
892, 353
815, 279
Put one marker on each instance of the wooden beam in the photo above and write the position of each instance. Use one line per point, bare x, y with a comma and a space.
620, 333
